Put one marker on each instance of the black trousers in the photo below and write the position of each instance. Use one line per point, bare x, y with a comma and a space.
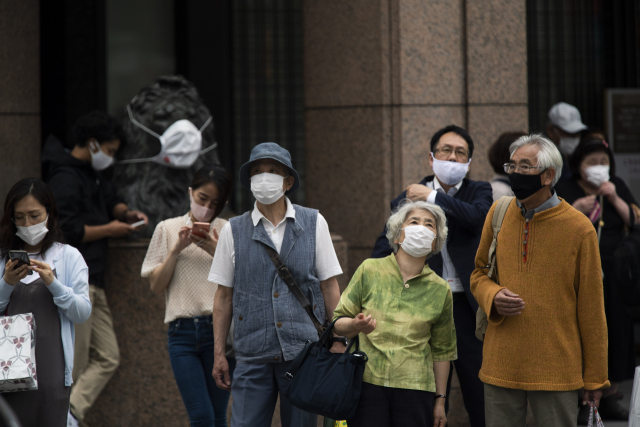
469, 361
393, 407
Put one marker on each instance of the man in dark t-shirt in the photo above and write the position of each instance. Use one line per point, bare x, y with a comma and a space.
89, 213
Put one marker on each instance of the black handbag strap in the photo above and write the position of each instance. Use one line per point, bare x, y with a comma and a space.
287, 278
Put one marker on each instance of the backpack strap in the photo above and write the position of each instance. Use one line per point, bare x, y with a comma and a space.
496, 224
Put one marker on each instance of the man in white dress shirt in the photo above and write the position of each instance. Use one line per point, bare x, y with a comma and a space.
465, 204
270, 325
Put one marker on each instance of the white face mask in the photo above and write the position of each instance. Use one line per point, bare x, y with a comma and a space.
267, 188
417, 240
449, 173
569, 145
99, 160
597, 174
181, 143
33, 234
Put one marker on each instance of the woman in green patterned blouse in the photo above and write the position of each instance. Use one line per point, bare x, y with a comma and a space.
403, 313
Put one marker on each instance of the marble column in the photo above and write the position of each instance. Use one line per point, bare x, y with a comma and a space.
19, 92
381, 77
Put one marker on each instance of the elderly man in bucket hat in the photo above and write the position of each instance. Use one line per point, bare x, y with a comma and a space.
271, 327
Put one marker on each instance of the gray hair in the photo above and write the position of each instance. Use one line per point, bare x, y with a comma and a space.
399, 216
548, 155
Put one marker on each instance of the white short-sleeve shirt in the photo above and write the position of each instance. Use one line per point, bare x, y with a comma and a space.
223, 266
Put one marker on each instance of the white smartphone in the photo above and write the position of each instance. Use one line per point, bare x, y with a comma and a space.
137, 224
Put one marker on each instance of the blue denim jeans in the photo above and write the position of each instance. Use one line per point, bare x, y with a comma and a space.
191, 354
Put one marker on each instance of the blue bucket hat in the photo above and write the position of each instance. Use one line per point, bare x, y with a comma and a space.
269, 150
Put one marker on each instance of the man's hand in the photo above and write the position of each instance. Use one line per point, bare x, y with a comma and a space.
592, 396
119, 228
363, 324
418, 192
136, 216
507, 303
221, 373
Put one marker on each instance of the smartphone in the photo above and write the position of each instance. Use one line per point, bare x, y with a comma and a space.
137, 224
22, 257
200, 228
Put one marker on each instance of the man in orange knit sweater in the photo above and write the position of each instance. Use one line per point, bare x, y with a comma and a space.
547, 333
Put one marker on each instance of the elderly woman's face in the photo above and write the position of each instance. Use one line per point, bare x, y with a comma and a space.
420, 217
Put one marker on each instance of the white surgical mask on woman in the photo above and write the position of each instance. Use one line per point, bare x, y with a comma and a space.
449, 173
33, 234
99, 160
418, 240
199, 212
597, 174
267, 188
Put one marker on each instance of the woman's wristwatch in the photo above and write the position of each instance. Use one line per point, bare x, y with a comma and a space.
444, 396
343, 340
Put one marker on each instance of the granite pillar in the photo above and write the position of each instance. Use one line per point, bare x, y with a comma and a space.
381, 77
19, 92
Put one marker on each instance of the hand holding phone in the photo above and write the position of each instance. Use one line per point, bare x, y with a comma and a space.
138, 224
200, 229
22, 257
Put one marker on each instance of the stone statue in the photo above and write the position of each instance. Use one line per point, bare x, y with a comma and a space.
161, 190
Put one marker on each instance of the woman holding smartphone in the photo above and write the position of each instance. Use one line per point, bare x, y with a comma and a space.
178, 263
57, 293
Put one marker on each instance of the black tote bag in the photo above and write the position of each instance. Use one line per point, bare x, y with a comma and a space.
326, 383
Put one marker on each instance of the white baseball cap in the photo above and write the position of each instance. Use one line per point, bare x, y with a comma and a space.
566, 117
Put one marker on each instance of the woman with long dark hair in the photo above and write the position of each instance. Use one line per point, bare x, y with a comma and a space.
57, 293
595, 190
177, 264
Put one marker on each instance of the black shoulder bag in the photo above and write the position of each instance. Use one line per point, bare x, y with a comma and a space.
287, 278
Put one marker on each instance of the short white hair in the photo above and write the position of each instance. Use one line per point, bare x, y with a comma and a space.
548, 155
399, 216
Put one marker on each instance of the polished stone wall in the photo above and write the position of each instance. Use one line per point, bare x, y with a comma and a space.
19, 92
381, 76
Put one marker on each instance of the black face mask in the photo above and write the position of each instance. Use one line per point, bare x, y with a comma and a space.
525, 186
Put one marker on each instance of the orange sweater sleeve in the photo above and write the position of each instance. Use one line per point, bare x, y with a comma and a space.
483, 288
592, 322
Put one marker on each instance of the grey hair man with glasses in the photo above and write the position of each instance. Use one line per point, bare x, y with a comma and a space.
465, 204
547, 332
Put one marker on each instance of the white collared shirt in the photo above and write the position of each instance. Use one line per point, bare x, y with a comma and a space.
224, 260
449, 272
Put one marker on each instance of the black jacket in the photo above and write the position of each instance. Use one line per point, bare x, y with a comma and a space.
466, 213
84, 197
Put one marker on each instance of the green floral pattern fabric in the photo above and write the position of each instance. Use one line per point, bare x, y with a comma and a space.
414, 323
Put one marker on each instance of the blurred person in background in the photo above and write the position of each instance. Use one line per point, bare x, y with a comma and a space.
498, 156
57, 294
90, 213
177, 264
565, 129
605, 199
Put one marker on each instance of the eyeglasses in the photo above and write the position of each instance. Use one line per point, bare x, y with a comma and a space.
523, 169
22, 220
446, 152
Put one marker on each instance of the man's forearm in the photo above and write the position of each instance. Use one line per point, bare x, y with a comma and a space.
331, 294
119, 211
222, 313
95, 232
